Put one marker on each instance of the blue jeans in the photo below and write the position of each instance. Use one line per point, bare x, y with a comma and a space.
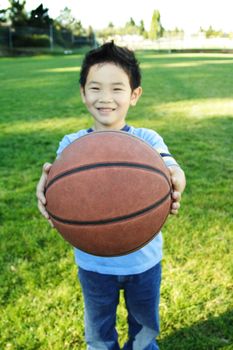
101, 297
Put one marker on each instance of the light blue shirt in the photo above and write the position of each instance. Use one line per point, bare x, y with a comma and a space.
144, 258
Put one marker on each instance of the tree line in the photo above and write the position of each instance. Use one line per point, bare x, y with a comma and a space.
17, 16
156, 29
67, 30
37, 28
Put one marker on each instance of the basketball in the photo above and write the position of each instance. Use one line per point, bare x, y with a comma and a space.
109, 193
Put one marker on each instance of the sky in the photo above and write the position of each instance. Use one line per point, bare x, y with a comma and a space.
189, 15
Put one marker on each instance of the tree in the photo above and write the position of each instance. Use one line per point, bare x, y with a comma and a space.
130, 27
142, 28
212, 33
66, 19
132, 22
17, 13
156, 29
90, 33
3, 15
78, 29
40, 18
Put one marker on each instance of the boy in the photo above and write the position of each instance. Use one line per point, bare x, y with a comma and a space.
109, 84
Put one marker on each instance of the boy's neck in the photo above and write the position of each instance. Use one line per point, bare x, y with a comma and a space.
100, 127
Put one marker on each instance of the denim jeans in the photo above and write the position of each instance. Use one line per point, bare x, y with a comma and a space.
101, 297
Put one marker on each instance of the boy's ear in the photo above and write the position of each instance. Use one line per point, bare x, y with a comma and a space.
82, 93
135, 95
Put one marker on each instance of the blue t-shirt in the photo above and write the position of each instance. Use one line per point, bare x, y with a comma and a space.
144, 258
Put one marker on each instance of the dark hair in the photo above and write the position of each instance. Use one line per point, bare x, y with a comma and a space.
121, 56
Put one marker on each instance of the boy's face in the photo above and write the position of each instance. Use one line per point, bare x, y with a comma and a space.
108, 95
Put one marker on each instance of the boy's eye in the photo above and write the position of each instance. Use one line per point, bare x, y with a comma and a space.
117, 89
95, 88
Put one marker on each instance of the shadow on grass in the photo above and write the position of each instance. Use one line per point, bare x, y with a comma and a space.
211, 334
152, 55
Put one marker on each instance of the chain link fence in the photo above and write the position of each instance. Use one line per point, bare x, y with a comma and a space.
32, 39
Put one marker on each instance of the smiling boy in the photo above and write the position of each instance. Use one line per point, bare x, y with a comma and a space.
108, 96
110, 82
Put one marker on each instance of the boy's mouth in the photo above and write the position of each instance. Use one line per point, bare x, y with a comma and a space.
106, 110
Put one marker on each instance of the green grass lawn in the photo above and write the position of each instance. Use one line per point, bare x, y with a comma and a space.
188, 100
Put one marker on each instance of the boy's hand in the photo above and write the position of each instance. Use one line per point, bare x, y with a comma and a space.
178, 184
40, 189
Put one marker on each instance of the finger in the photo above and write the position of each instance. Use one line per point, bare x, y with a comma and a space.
42, 182
174, 212
42, 209
40, 189
45, 213
41, 196
47, 167
175, 206
51, 223
176, 196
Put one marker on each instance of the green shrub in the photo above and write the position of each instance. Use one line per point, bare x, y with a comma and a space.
34, 40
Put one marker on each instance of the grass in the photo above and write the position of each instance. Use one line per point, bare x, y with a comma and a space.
188, 100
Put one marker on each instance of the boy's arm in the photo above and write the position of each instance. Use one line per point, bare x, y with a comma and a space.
40, 191
177, 174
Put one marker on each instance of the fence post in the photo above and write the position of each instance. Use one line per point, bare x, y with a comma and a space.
51, 36
11, 30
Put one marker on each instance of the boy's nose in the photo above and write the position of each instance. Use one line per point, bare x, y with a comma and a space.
105, 98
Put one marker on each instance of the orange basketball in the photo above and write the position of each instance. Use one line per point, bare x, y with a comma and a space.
109, 193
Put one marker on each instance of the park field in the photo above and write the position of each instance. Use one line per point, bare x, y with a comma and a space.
188, 99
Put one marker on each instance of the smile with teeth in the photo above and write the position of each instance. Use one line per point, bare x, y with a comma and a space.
105, 109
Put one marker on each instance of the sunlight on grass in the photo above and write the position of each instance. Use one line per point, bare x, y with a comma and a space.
148, 65
196, 109
195, 63
26, 127
61, 70
187, 55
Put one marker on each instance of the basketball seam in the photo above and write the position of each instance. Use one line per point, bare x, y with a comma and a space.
111, 220
143, 244
106, 165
